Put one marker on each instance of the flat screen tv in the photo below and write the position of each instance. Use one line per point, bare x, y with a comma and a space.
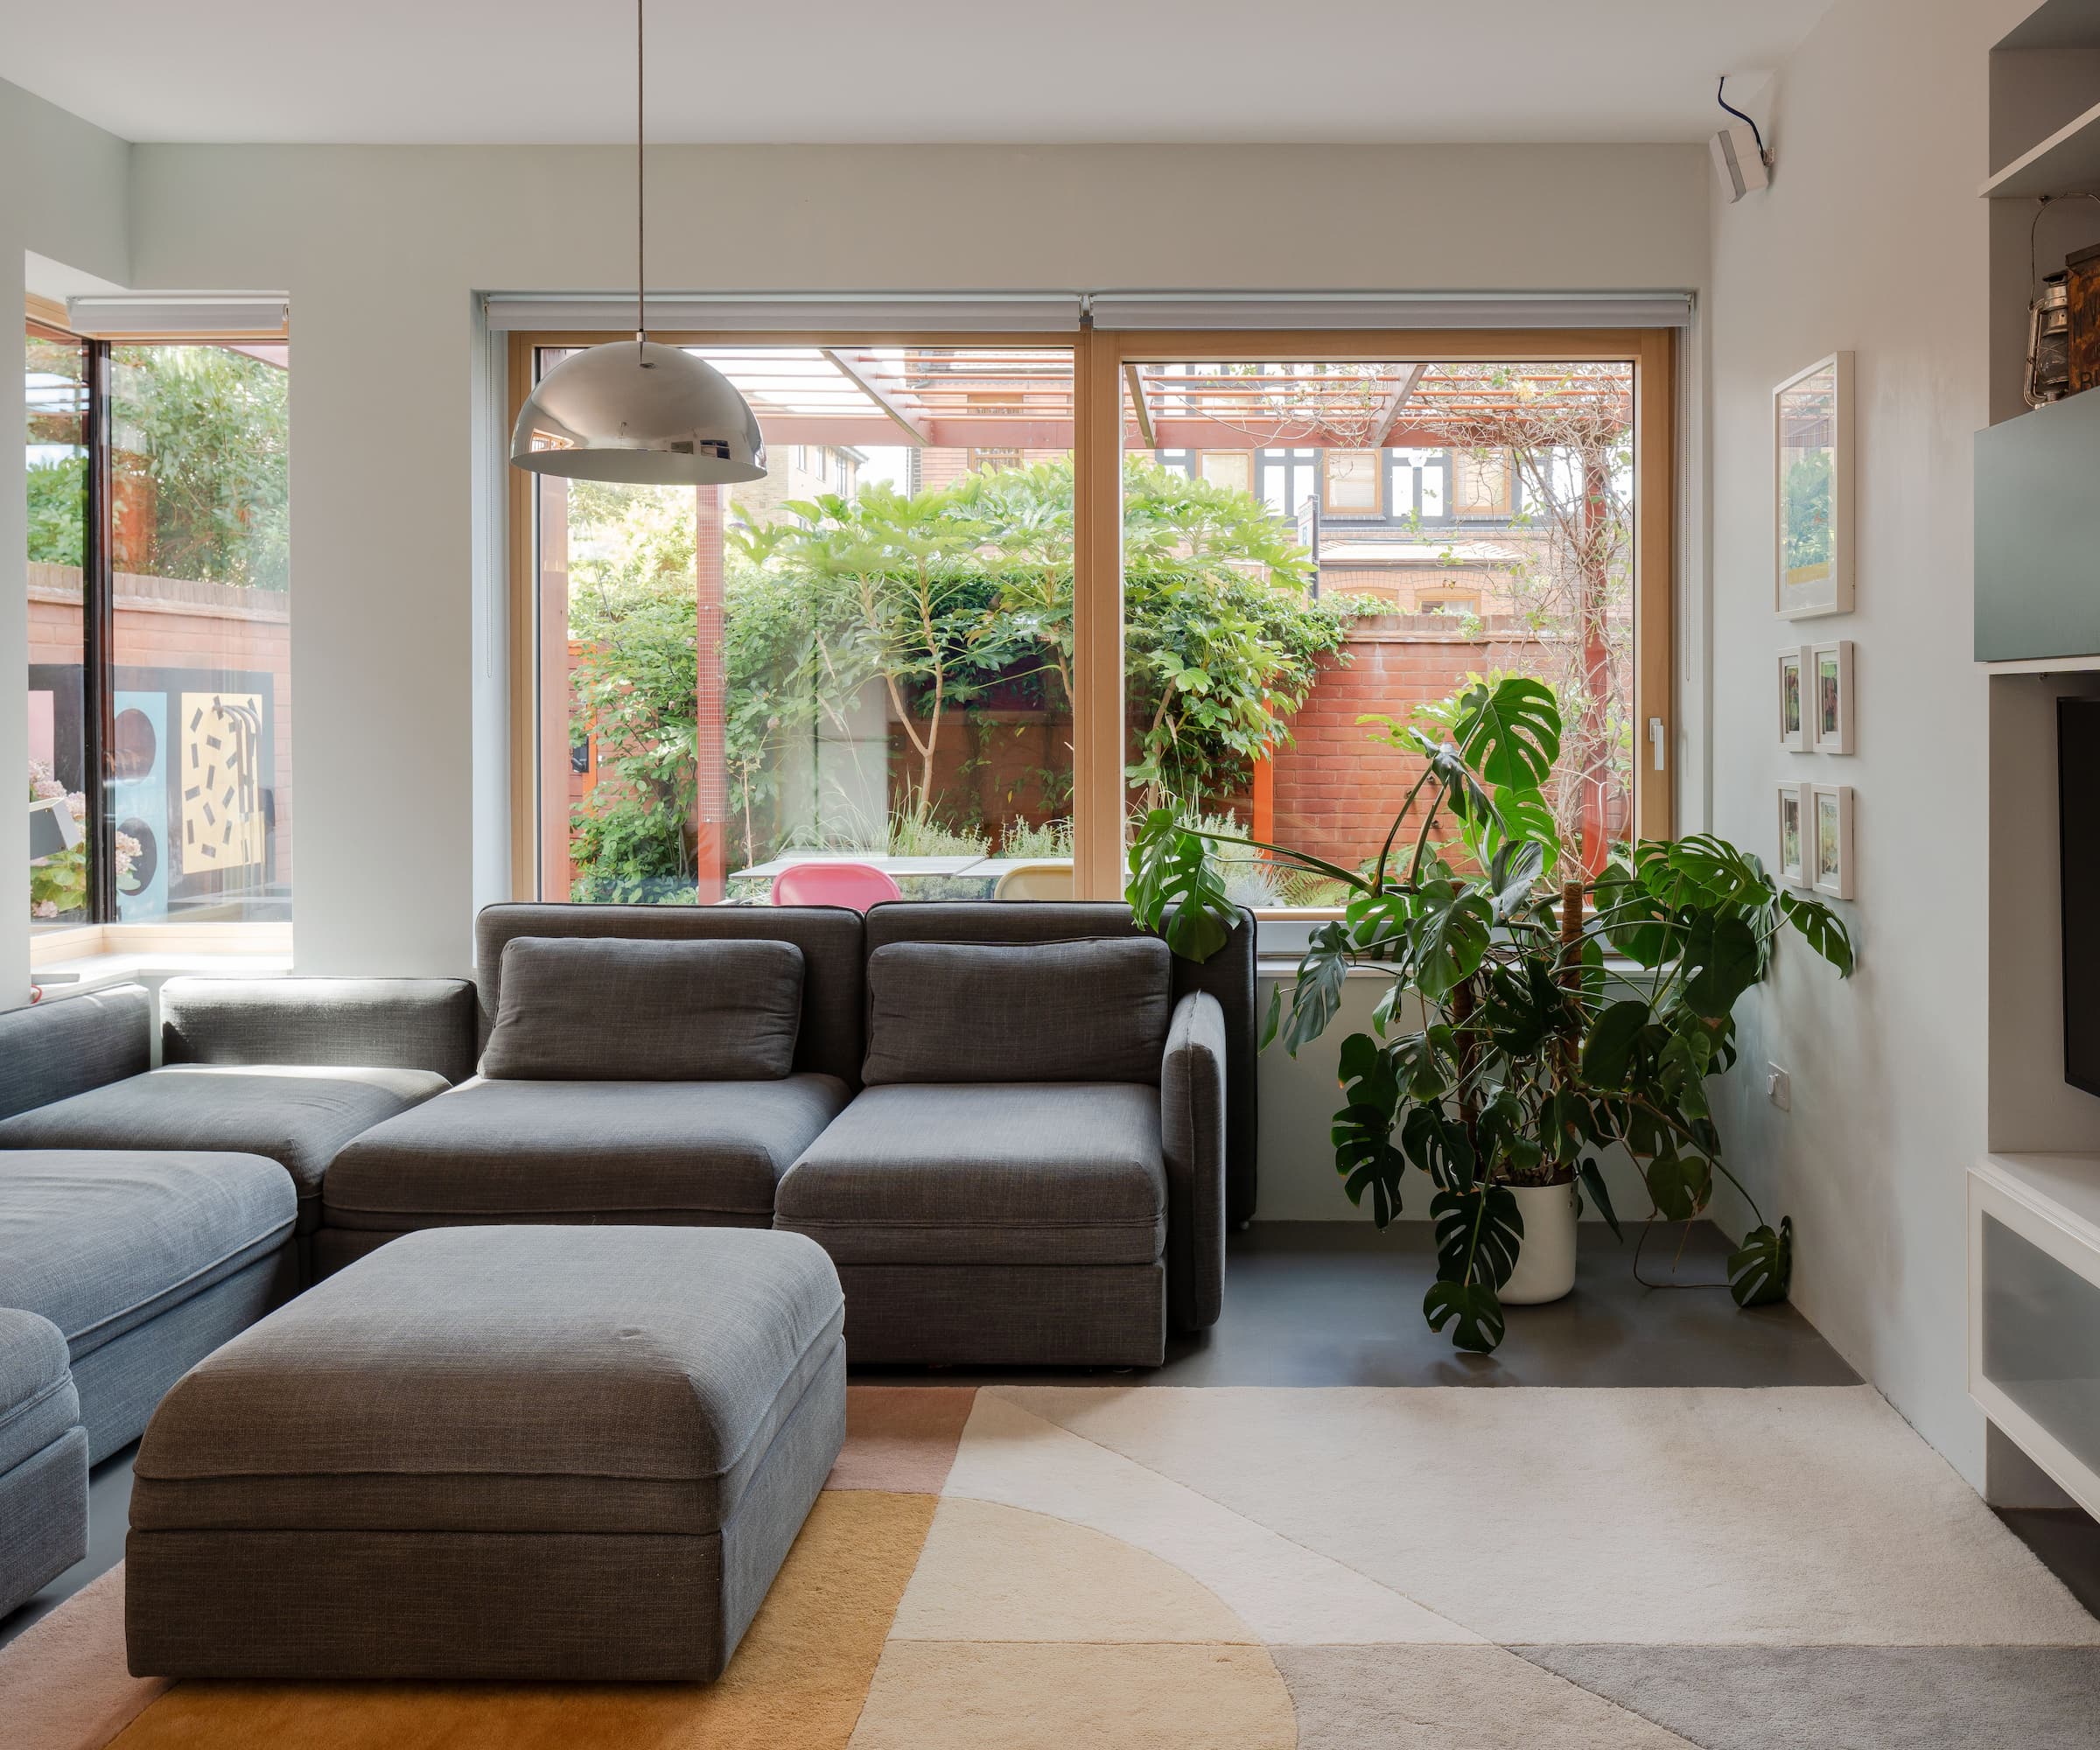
2078, 814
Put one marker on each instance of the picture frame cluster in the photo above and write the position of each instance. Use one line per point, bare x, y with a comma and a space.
1814, 570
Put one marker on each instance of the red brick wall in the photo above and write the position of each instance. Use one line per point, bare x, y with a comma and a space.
175, 623
1338, 785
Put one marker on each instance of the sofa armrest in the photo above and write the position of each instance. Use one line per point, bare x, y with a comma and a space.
1192, 1125
371, 1023
67, 1044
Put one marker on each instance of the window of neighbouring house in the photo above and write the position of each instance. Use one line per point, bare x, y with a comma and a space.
1350, 483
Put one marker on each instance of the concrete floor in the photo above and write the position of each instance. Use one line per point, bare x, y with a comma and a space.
1331, 1303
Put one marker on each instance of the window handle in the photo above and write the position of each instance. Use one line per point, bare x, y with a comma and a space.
1657, 737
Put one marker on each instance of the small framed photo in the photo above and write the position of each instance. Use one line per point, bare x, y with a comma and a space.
1795, 668
1831, 844
1831, 697
1795, 806
1812, 490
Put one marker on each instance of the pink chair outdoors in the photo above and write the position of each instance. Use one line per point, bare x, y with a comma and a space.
856, 886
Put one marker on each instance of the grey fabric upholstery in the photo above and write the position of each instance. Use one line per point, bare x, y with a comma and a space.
1047, 1174
377, 1022
518, 1453
582, 1009
1000, 1011
1006, 1315
43, 1517
144, 1261
64, 1047
298, 1114
122, 1381
37, 1402
830, 1042
1228, 974
629, 1151
1192, 1120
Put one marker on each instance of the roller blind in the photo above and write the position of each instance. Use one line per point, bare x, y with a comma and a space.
256, 312
762, 312
1390, 310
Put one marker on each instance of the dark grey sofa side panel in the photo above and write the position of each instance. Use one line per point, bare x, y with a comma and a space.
832, 1040
368, 1023
67, 1045
1228, 974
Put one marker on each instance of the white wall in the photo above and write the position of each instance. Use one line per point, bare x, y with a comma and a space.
382, 250
62, 195
1872, 238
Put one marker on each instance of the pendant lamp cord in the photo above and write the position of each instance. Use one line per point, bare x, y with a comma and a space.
641, 279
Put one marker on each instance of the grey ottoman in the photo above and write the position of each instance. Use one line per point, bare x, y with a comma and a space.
521, 1452
43, 1459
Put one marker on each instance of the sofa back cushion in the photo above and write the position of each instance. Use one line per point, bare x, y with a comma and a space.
607, 1009
834, 1028
1096, 1010
67, 1044
362, 1022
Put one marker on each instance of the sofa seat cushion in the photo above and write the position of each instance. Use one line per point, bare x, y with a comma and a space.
37, 1402
986, 1172
101, 1241
632, 1152
523, 1379
298, 1114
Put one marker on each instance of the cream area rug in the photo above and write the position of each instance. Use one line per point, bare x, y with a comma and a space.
1439, 1568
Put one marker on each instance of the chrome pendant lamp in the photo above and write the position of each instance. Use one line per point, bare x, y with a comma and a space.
637, 412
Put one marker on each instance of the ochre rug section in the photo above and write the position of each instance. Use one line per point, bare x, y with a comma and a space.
799, 1679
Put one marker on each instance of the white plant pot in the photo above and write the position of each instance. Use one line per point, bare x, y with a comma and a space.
1545, 1264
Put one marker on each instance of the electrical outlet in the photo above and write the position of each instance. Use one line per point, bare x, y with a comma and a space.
1779, 1088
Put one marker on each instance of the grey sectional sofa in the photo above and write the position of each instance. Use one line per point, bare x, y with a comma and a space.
43, 1459
1053, 1214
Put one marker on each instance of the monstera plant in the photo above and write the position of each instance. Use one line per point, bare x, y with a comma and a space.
1531, 1022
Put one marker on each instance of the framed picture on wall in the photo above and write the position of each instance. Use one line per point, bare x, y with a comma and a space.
1794, 669
1831, 839
1831, 697
1795, 808
1812, 490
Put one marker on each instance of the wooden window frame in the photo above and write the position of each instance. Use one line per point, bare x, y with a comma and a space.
1099, 359
1375, 512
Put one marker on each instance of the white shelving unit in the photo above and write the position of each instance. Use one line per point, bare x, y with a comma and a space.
2034, 1310
2067, 163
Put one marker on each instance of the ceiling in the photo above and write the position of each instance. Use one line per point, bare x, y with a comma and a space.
902, 70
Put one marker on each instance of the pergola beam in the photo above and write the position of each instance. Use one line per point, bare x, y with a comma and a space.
1142, 408
1389, 415
871, 385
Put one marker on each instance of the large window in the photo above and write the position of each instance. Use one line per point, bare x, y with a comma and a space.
995, 600
159, 685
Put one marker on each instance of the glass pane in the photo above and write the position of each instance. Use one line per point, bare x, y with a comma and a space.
2041, 1338
862, 658
54, 393
1260, 630
201, 708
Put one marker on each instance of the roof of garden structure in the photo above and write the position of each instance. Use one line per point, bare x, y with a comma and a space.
994, 396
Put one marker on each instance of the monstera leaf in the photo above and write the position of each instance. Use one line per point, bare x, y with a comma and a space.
1448, 937
1473, 1311
1680, 1184
1478, 1234
1510, 732
1317, 994
1761, 1269
1821, 928
1726, 960
1362, 1132
1174, 880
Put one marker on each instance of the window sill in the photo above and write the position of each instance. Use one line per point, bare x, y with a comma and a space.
65, 963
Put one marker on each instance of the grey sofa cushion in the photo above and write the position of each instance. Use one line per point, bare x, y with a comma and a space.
381, 1023
556, 1380
68, 1044
37, 1402
100, 1242
679, 1152
1048, 1173
833, 1019
1228, 974
609, 1010
1086, 1011
298, 1116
